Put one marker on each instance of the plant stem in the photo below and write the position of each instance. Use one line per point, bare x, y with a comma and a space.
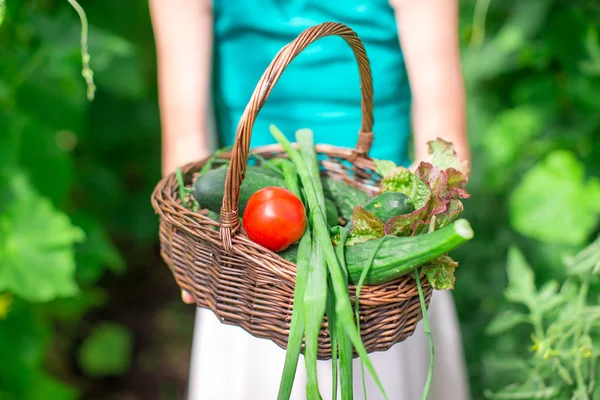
86, 71
427, 331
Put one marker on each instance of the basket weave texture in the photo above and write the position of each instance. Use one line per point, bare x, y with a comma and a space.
251, 287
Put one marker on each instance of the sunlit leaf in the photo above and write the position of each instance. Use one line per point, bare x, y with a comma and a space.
37, 259
366, 226
554, 202
505, 321
521, 282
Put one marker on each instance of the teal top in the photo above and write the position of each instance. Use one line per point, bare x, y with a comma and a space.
320, 89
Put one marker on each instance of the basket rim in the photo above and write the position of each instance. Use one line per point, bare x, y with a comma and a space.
166, 203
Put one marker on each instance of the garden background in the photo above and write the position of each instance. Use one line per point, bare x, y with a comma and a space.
89, 310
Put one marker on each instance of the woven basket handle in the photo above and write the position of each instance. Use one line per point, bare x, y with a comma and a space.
239, 157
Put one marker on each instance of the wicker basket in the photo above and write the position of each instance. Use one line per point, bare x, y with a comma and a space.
249, 286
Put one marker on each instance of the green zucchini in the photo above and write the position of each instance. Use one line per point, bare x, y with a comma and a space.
208, 189
390, 204
398, 256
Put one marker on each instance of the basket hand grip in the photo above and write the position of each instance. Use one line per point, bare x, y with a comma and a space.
239, 157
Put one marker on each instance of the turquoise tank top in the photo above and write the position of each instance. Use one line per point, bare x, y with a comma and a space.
320, 89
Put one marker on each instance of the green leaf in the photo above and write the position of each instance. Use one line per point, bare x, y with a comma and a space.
384, 167
74, 308
554, 203
586, 261
441, 273
549, 297
48, 387
2, 11
521, 282
107, 351
506, 139
505, 321
24, 336
420, 193
366, 226
447, 217
97, 252
443, 156
399, 179
37, 260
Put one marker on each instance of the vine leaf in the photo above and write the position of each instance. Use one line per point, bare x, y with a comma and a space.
37, 256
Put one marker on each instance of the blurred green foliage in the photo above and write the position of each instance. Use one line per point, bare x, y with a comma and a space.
76, 176
534, 125
75, 180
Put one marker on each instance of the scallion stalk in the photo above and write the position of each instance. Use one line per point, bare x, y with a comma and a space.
297, 324
343, 307
315, 302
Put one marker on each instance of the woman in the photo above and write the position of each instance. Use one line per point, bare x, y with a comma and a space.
407, 41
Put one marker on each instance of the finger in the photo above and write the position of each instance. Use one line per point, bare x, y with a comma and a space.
187, 298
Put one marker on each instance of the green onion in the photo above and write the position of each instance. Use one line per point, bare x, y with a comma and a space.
426, 328
359, 286
333, 334
428, 334
315, 301
296, 334
346, 354
343, 307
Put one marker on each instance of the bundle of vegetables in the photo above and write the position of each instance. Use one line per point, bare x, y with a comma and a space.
338, 235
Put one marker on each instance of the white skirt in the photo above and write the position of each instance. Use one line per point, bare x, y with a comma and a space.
230, 364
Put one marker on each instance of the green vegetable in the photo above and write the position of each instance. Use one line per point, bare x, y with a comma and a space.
209, 189
361, 281
297, 324
345, 345
398, 256
426, 328
290, 254
389, 204
364, 226
345, 196
343, 307
315, 302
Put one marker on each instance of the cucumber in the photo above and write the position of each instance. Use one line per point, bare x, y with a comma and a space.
208, 189
345, 196
389, 204
399, 256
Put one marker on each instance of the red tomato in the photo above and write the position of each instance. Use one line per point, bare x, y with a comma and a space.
274, 218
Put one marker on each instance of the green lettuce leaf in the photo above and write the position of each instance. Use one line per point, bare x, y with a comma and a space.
447, 217
407, 224
443, 156
366, 226
399, 179
435, 190
384, 167
441, 273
